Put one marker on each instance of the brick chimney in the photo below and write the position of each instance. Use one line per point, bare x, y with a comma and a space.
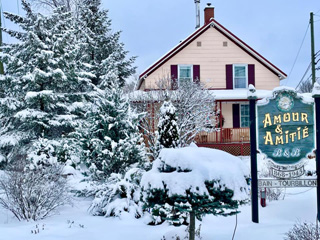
208, 13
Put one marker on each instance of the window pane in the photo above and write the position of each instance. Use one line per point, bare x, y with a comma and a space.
240, 82
240, 71
240, 78
185, 72
245, 115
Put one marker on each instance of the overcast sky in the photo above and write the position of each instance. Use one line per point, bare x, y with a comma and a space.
274, 28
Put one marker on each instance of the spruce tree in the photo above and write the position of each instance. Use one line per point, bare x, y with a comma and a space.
103, 49
167, 126
46, 89
111, 139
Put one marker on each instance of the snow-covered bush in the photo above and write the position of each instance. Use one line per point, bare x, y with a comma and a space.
33, 194
167, 126
303, 231
195, 181
195, 111
118, 194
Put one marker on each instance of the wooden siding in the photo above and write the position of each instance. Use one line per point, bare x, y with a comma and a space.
212, 57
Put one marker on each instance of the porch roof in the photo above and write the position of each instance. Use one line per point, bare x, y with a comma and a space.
218, 95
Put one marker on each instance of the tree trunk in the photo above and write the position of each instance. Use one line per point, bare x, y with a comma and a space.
192, 226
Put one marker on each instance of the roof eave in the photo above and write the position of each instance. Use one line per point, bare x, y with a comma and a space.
194, 35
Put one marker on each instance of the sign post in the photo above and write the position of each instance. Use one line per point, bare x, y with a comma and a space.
316, 95
286, 137
253, 151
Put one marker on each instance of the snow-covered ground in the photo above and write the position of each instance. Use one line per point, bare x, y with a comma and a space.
75, 223
276, 219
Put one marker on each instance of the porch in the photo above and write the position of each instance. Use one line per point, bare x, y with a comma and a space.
235, 141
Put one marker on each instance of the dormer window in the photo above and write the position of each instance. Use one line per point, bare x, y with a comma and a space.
185, 73
240, 76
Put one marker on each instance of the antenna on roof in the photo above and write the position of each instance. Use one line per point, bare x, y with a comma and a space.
197, 2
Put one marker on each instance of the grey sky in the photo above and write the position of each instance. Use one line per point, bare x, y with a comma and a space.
274, 28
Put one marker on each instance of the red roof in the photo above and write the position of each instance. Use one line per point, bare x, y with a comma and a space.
196, 34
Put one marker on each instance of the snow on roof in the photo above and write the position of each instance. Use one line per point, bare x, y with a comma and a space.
231, 94
194, 166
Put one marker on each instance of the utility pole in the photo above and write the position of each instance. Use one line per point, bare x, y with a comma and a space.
313, 62
1, 63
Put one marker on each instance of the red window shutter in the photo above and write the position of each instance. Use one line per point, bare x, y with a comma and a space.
196, 73
229, 76
174, 77
251, 74
236, 115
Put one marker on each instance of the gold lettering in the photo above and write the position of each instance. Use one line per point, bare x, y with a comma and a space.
293, 135
267, 120
268, 138
276, 119
304, 117
286, 117
299, 133
295, 117
305, 132
287, 136
279, 139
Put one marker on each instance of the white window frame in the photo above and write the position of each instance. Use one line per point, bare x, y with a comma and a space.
241, 116
185, 65
233, 74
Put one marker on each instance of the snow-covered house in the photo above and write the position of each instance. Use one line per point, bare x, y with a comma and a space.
225, 65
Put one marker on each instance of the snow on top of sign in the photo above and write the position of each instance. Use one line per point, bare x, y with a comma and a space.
305, 97
194, 166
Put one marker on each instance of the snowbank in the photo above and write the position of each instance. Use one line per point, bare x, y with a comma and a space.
192, 167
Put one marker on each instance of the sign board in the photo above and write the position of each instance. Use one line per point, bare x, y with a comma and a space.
277, 183
285, 126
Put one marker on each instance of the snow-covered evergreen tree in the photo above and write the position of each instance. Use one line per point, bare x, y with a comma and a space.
103, 51
167, 126
46, 89
194, 181
111, 139
114, 154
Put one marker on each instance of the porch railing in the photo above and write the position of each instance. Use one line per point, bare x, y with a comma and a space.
224, 135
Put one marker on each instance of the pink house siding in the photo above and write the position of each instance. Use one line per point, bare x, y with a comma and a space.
212, 57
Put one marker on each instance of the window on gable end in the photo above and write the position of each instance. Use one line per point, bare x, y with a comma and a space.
185, 73
240, 76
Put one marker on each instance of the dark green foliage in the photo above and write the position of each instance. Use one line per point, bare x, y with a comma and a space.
174, 208
44, 81
103, 51
111, 140
167, 126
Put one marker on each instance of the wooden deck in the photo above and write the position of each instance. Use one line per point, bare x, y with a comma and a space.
224, 135
235, 141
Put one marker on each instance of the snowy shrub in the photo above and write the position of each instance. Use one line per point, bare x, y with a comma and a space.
33, 194
194, 181
303, 231
120, 193
167, 126
195, 111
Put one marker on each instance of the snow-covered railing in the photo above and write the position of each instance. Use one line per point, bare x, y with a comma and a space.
225, 135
